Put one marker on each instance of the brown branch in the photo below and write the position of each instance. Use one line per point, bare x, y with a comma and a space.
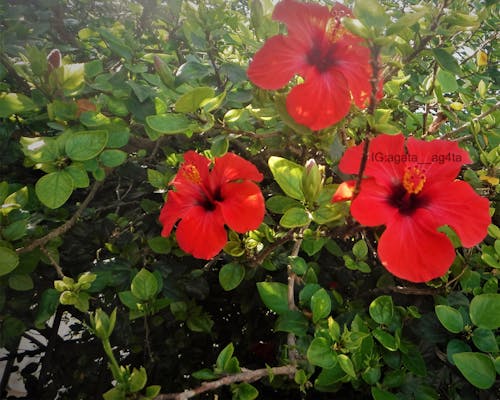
244, 376
54, 263
260, 257
64, 227
476, 119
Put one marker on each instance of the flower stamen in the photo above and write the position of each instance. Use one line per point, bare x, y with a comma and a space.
191, 173
413, 179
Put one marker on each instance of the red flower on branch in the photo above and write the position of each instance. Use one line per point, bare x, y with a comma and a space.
413, 192
333, 63
206, 199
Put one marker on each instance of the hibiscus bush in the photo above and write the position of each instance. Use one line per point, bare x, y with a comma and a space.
249, 199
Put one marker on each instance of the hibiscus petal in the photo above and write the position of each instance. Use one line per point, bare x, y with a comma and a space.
321, 101
201, 233
410, 248
352, 60
277, 62
231, 167
441, 159
456, 204
385, 160
303, 20
176, 207
371, 206
193, 171
242, 206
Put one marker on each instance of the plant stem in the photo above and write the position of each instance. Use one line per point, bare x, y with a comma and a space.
244, 376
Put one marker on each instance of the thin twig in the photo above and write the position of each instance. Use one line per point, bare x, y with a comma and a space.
64, 227
260, 257
476, 119
53, 261
244, 376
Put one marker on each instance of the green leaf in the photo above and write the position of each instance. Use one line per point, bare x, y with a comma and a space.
280, 204
13, 103
288, 175
371, 13
224, 357
84, 145
446, 61
54, 189
477, 368
160, 244
20, 282
379, 394
414, 361
47, 306
244, 391
205, 374
169, 123
484, 340
295, 217
73, 78
320, 353
321, 305
455, 346
360, 249
450, 318
138, 379
15, 231
293, 322
447, 81
113, 158
274, 295
9, 260
79, 175
191, 101
298, 264
231, 275
219, 146
484, 310
114, 394
346, 365
144, 286
382, 310
385, 339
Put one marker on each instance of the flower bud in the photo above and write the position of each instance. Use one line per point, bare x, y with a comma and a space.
163, 71
54, 59
312, 180
103, 324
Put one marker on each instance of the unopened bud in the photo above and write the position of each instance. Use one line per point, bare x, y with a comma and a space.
312, 180
163, 71
54, 59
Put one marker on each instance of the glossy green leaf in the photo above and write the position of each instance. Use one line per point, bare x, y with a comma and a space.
280, 204
346, 365
231, 275
450, 318
477, 368
113, 158
244, 391
20, 282
293, 322
447, 81
54, 189
295, 217
446, 61
137, 379
9, 260
370, 13
14, 103
191, 101
84, 145
288, 175
321, 305
169, 123
144, 286
484, 310
274, 295
321, 353
382, 310
485, 340
380, 394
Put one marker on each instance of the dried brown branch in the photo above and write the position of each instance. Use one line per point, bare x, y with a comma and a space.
244, 376
476, 119
64, 227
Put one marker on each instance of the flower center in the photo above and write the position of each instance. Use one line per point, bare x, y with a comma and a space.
191, 173
407, 203
413, 179
321, 54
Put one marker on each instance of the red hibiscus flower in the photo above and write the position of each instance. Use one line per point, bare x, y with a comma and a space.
205, 199
334, 64
413, 192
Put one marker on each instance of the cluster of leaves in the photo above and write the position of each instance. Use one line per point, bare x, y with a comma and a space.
98, 102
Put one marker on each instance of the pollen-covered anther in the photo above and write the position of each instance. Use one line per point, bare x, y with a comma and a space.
413, 179
191, 172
